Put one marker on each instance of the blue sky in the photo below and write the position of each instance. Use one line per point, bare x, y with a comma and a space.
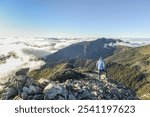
75, 18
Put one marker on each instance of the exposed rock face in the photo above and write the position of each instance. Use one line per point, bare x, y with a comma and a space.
85, 88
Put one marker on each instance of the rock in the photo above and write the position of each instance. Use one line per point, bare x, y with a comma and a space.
68, 85
17, 98
59, 97
43, 82
95, 93
107, 96
10, 93
22, 72
70, 96
55, 92
30, 82
95, 88
35, 89
19, 81
27, 90
49, 86
24, 95
75, 93
30, 97
85, 95
101, 96
77, 87
38, 97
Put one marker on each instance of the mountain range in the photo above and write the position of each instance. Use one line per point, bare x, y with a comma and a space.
87, 49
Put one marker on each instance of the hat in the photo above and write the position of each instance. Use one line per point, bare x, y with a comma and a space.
101, 58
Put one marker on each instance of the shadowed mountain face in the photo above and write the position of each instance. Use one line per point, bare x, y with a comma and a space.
86, 49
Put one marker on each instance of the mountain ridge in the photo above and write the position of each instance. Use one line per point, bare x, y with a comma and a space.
86, 49
137, 59
67, 87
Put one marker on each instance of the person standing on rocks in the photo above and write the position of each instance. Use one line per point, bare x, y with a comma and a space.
101, 67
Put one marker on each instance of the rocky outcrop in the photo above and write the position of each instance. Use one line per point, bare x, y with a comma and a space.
9, 93
66, 74
23, 71
85, 88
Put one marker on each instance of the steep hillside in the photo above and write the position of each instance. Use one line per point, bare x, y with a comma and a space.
132, 68
87, 49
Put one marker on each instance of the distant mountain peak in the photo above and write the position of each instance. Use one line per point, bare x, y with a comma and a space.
86, 49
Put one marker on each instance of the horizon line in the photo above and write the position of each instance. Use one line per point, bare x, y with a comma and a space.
107, 37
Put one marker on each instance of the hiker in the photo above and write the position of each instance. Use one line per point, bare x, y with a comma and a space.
101, 67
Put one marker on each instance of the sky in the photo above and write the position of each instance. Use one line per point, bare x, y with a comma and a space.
75, 18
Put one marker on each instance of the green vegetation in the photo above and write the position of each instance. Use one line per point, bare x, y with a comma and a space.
132, 68
47, 72
66, 74
144, 92
83, 64
59, 72
127, 75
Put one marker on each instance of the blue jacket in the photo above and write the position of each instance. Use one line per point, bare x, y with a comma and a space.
100, 64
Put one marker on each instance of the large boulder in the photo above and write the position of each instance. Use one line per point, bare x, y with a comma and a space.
55, 92
19, 81
35, 89
10, 93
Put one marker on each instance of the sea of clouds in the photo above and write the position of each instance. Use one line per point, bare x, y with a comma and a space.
28, 51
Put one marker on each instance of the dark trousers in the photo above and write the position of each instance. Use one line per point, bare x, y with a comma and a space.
100, 73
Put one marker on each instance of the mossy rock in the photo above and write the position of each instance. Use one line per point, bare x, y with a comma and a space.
66, 74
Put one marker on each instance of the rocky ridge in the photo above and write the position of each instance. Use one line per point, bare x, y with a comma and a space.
22, 87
